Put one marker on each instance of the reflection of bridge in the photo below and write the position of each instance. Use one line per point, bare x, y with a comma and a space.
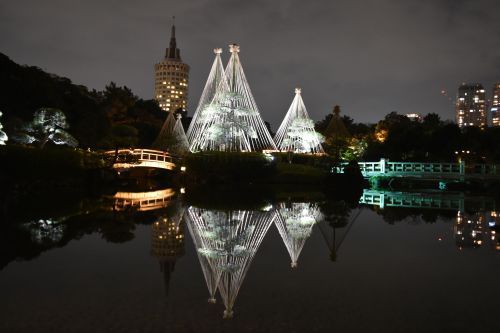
443, 201
132, 158
429, 170
143, 201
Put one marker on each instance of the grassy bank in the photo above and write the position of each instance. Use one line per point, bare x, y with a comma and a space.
222, 168
32, 171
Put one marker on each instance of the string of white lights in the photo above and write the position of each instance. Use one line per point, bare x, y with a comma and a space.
214, 78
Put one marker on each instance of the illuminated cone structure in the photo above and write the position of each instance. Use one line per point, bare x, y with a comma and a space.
228, 241
167, 129
181, 145
215, 76
295, 222
172, 137
232, 122
296, 133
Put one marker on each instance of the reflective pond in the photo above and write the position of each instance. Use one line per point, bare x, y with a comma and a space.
160, 261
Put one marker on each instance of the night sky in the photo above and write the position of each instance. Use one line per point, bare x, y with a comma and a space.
370, 57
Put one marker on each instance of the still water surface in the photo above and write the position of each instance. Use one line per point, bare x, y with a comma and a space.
290, 265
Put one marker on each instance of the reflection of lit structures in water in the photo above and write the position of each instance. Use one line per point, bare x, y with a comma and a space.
45, 230
493, 224
227, 242
167, 244
143, 201
295, 222
470, 229
336, 221
198, 229
412, 200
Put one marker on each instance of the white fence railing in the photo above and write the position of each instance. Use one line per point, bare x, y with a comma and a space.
385, 167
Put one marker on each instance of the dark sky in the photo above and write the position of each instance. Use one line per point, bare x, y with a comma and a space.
370, 57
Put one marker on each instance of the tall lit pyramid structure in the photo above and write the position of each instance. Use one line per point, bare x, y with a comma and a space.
295, 222
296, 133
227, 242
215, 76
232, 122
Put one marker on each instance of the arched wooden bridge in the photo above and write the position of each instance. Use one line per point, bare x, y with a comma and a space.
148, 158
143, 201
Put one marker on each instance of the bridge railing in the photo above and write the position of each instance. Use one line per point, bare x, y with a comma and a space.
142, 157
409, 167
385, 167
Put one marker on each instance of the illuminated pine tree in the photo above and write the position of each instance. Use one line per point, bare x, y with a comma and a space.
295, 222
215, 76
48, 125
296, 133
3, 136
232, 122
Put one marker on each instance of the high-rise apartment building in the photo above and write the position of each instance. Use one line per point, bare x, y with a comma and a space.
470, 106
171, 79
495, 105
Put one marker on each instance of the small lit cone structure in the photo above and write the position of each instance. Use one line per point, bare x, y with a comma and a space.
181, 145
3, 135
296, 133
172, 137
232, 121
295, 222
163, 139
167, 244
230, 240
215, 76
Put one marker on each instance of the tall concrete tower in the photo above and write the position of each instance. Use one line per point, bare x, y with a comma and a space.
172, 78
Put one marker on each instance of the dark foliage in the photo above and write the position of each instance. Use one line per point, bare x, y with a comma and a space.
92, 115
